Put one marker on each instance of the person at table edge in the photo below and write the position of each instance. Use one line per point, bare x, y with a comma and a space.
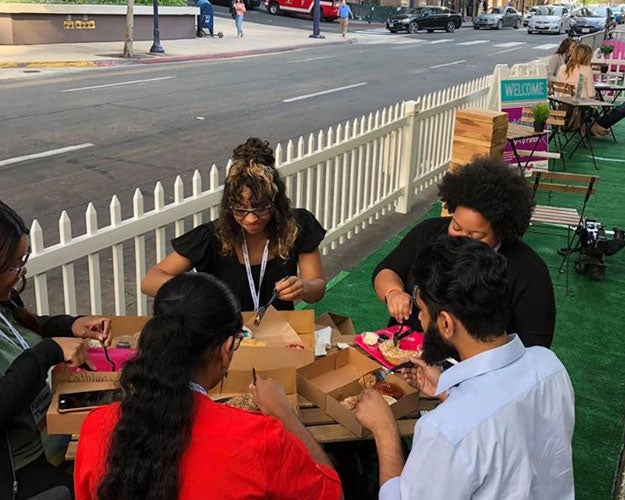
257, 243
490, 202
505, 425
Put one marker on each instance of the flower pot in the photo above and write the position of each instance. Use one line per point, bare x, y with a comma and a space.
539, 126
604, 68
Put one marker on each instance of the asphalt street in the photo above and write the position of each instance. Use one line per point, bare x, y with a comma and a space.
107, 132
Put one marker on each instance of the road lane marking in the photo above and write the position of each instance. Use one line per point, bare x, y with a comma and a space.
131, 82
330, 91
442, 40
504, 51
448, 64
547, 46
509, 44
44, 154
312, 59
473, 42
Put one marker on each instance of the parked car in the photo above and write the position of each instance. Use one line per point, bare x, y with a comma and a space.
427, 18
528, 15
329, 8
619, 13
549, 19
590, 20
498, 17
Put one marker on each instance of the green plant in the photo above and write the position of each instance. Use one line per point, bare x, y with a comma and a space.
606, 50
540, 111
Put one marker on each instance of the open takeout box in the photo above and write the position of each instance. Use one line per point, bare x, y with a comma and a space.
278, 330
238, 382
342, 327
330, 379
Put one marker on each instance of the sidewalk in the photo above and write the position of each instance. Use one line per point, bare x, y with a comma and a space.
259, 39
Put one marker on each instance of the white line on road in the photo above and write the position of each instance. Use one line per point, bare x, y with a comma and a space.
547, 46
448, 64
504, 51
118, 84
338, 89
508, 44
44, 154
473, 42
442, 40
312, 59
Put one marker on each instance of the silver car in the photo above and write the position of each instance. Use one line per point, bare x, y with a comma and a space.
498, 17
549, 19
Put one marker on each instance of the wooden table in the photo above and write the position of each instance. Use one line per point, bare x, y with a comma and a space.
517, 133
583, 102
322, 427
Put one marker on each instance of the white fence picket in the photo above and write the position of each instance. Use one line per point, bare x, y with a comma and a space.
348, 175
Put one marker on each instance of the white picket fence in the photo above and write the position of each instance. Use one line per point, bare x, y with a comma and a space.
347, 176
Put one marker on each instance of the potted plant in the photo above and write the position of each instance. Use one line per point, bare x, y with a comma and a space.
605, 51
541, 113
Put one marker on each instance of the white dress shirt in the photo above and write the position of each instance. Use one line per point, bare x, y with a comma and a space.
504, 431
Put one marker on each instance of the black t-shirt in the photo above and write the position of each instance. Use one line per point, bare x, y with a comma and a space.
532, 303
203, 248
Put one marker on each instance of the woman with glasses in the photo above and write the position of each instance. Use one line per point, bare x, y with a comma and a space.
257, 243
29, 347
168, 440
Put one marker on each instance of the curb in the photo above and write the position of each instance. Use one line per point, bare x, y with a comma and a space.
157, 59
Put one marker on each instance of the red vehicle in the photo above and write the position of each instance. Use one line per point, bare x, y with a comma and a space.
329, 8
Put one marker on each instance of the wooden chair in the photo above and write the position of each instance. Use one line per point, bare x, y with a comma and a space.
560, 88
566, 218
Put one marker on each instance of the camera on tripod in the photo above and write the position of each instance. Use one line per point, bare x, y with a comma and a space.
594, 246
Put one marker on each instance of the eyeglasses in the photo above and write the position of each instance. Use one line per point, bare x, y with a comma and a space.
238, 337
19, 269
242, 213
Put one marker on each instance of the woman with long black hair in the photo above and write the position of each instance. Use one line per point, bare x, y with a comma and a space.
29, 346
168, 440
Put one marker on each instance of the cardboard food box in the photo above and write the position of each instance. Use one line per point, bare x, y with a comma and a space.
238, 382
342, 327
67, 381
329, 380
278, 330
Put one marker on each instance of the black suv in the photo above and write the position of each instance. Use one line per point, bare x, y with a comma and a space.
428, 18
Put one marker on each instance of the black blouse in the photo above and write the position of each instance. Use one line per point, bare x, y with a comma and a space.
202, 247
532, 311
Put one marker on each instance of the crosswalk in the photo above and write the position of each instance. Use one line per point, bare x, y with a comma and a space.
380, 36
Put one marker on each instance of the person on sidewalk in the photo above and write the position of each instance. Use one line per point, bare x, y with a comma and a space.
505, 425
239, 10
492, 203
345, 14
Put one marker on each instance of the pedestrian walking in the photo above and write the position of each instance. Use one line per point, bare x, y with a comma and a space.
239, 10
345, 13
485, 5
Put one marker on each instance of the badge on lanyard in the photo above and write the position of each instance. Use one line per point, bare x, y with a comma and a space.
248, 269
39, 406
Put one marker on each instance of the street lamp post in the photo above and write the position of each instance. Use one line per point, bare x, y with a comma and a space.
156, 47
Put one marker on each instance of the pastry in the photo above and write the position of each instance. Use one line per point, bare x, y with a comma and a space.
253, 343
349, 402
370, 338
388, 389
394, 355
368, 380
243, 402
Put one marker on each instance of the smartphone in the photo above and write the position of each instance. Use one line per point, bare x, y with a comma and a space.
78, 401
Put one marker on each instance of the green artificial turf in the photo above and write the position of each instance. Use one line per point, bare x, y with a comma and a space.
590, 325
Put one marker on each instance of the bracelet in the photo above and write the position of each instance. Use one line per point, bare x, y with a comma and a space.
389, 292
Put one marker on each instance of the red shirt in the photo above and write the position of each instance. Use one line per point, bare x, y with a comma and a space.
233, 454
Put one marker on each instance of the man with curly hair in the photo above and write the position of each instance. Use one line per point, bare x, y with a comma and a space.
492, 203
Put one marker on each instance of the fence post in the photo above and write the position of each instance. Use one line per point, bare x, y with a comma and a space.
408, 165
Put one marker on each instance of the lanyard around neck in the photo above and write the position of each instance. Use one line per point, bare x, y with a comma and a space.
248, 269
197, 388
22, 343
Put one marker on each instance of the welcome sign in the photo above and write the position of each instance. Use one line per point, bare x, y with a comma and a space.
523, 90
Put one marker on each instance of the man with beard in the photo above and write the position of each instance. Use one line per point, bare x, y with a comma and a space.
505, 426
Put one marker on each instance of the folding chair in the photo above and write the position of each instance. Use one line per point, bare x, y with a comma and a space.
556, 122
562, 217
